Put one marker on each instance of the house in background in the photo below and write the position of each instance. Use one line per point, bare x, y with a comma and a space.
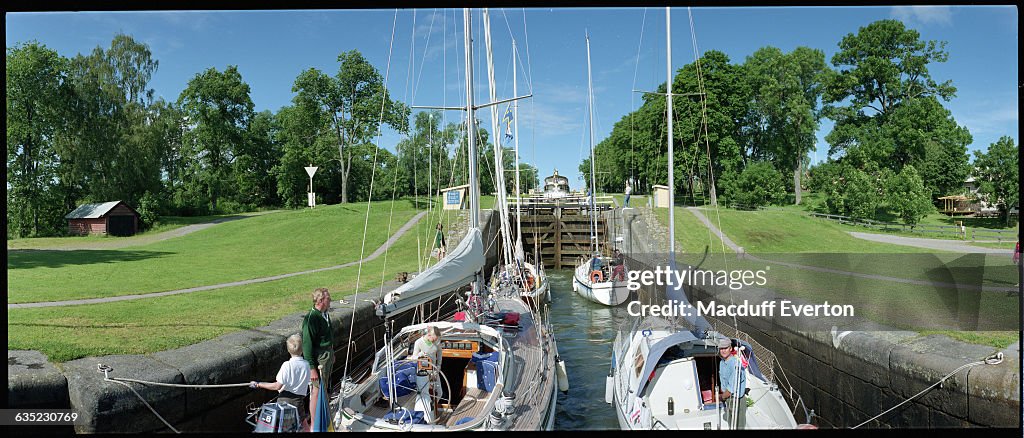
113, 218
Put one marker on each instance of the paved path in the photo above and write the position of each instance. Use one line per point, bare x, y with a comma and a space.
707, 223
939, 244
968, 248
380, 250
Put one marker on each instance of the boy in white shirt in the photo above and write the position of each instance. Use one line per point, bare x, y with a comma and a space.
292, 381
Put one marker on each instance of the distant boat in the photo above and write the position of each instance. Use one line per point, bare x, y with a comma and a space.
595, 285
556, 186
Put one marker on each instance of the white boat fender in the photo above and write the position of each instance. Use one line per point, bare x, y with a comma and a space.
609, 386
563, 377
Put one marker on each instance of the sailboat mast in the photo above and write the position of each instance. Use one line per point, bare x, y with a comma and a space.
474, 185
671, 156
515, 138
501, 199
593, 186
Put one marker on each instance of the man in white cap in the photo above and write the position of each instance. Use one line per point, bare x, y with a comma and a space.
733, 383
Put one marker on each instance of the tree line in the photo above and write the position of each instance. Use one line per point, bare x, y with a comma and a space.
88, 129
743, 132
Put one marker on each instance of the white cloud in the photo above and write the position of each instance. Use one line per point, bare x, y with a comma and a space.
923, 15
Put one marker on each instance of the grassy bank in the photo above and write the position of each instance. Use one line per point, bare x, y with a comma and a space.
251, 248
156, 324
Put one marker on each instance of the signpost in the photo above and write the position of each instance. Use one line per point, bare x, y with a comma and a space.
312, 196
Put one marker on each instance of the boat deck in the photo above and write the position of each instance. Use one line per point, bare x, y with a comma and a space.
532, 376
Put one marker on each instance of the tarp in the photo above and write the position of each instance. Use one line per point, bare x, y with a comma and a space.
456, 269
322, 416
657, 349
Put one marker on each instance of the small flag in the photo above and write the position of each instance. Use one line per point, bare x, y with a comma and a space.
507, 121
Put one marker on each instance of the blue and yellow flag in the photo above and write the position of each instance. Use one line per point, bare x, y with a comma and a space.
507, 121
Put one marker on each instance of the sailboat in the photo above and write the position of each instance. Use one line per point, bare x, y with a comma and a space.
596, 284
664, 371
515, 275
497, 367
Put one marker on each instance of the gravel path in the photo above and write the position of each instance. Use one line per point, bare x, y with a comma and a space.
939, 244
380, 250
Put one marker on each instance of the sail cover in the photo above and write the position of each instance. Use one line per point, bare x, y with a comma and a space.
458, 268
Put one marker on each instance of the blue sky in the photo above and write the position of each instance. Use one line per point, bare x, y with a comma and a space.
270, 48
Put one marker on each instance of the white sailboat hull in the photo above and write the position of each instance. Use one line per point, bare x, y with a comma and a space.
609, 293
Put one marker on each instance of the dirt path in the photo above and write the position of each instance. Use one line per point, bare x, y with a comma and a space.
380, 250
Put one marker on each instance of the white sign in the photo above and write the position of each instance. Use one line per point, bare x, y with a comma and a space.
312, 196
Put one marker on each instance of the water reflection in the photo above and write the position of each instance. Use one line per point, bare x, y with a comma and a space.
584, 331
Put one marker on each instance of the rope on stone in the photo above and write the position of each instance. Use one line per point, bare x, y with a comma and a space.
994, 359
106, 369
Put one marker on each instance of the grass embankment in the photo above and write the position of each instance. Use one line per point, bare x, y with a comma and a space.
789, 237
255, 247
156, 324
166, 223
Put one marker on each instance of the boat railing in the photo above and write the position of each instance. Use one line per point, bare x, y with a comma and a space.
765, 358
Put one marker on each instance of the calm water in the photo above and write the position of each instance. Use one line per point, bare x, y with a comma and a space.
584, 332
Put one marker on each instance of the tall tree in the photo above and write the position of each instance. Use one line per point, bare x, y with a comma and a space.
350, 105
785, 113
34, 80
218, 109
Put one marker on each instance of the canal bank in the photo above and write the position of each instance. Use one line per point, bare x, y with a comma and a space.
860, 368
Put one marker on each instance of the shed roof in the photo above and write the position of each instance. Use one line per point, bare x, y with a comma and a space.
92, 211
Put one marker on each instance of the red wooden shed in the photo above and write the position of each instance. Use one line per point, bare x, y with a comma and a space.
114, 218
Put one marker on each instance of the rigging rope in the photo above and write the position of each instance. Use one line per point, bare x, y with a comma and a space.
993, 359
373, 172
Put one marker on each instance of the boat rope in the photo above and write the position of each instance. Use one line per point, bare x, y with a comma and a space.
369, 197
106, 369
993, 359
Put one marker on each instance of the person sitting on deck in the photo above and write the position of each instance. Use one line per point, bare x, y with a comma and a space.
618, 266
596, 266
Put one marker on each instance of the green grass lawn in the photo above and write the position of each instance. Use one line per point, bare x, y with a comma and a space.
251, 248
1001, 245
692, 237
156, 324
166, 223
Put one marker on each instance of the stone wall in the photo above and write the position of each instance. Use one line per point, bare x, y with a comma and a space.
238, 357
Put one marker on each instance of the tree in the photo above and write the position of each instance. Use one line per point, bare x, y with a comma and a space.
255, 158
36, 76
887, 64
218, 109
887, 107
999, 175
785, 113
349, 105
906, 194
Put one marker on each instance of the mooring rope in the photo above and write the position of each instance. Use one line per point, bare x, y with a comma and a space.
994, 359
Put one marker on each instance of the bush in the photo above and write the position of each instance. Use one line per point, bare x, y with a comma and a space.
759, 184
149, 208
907, 195
851, 192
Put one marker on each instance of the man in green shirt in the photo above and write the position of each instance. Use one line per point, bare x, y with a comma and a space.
318, 344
